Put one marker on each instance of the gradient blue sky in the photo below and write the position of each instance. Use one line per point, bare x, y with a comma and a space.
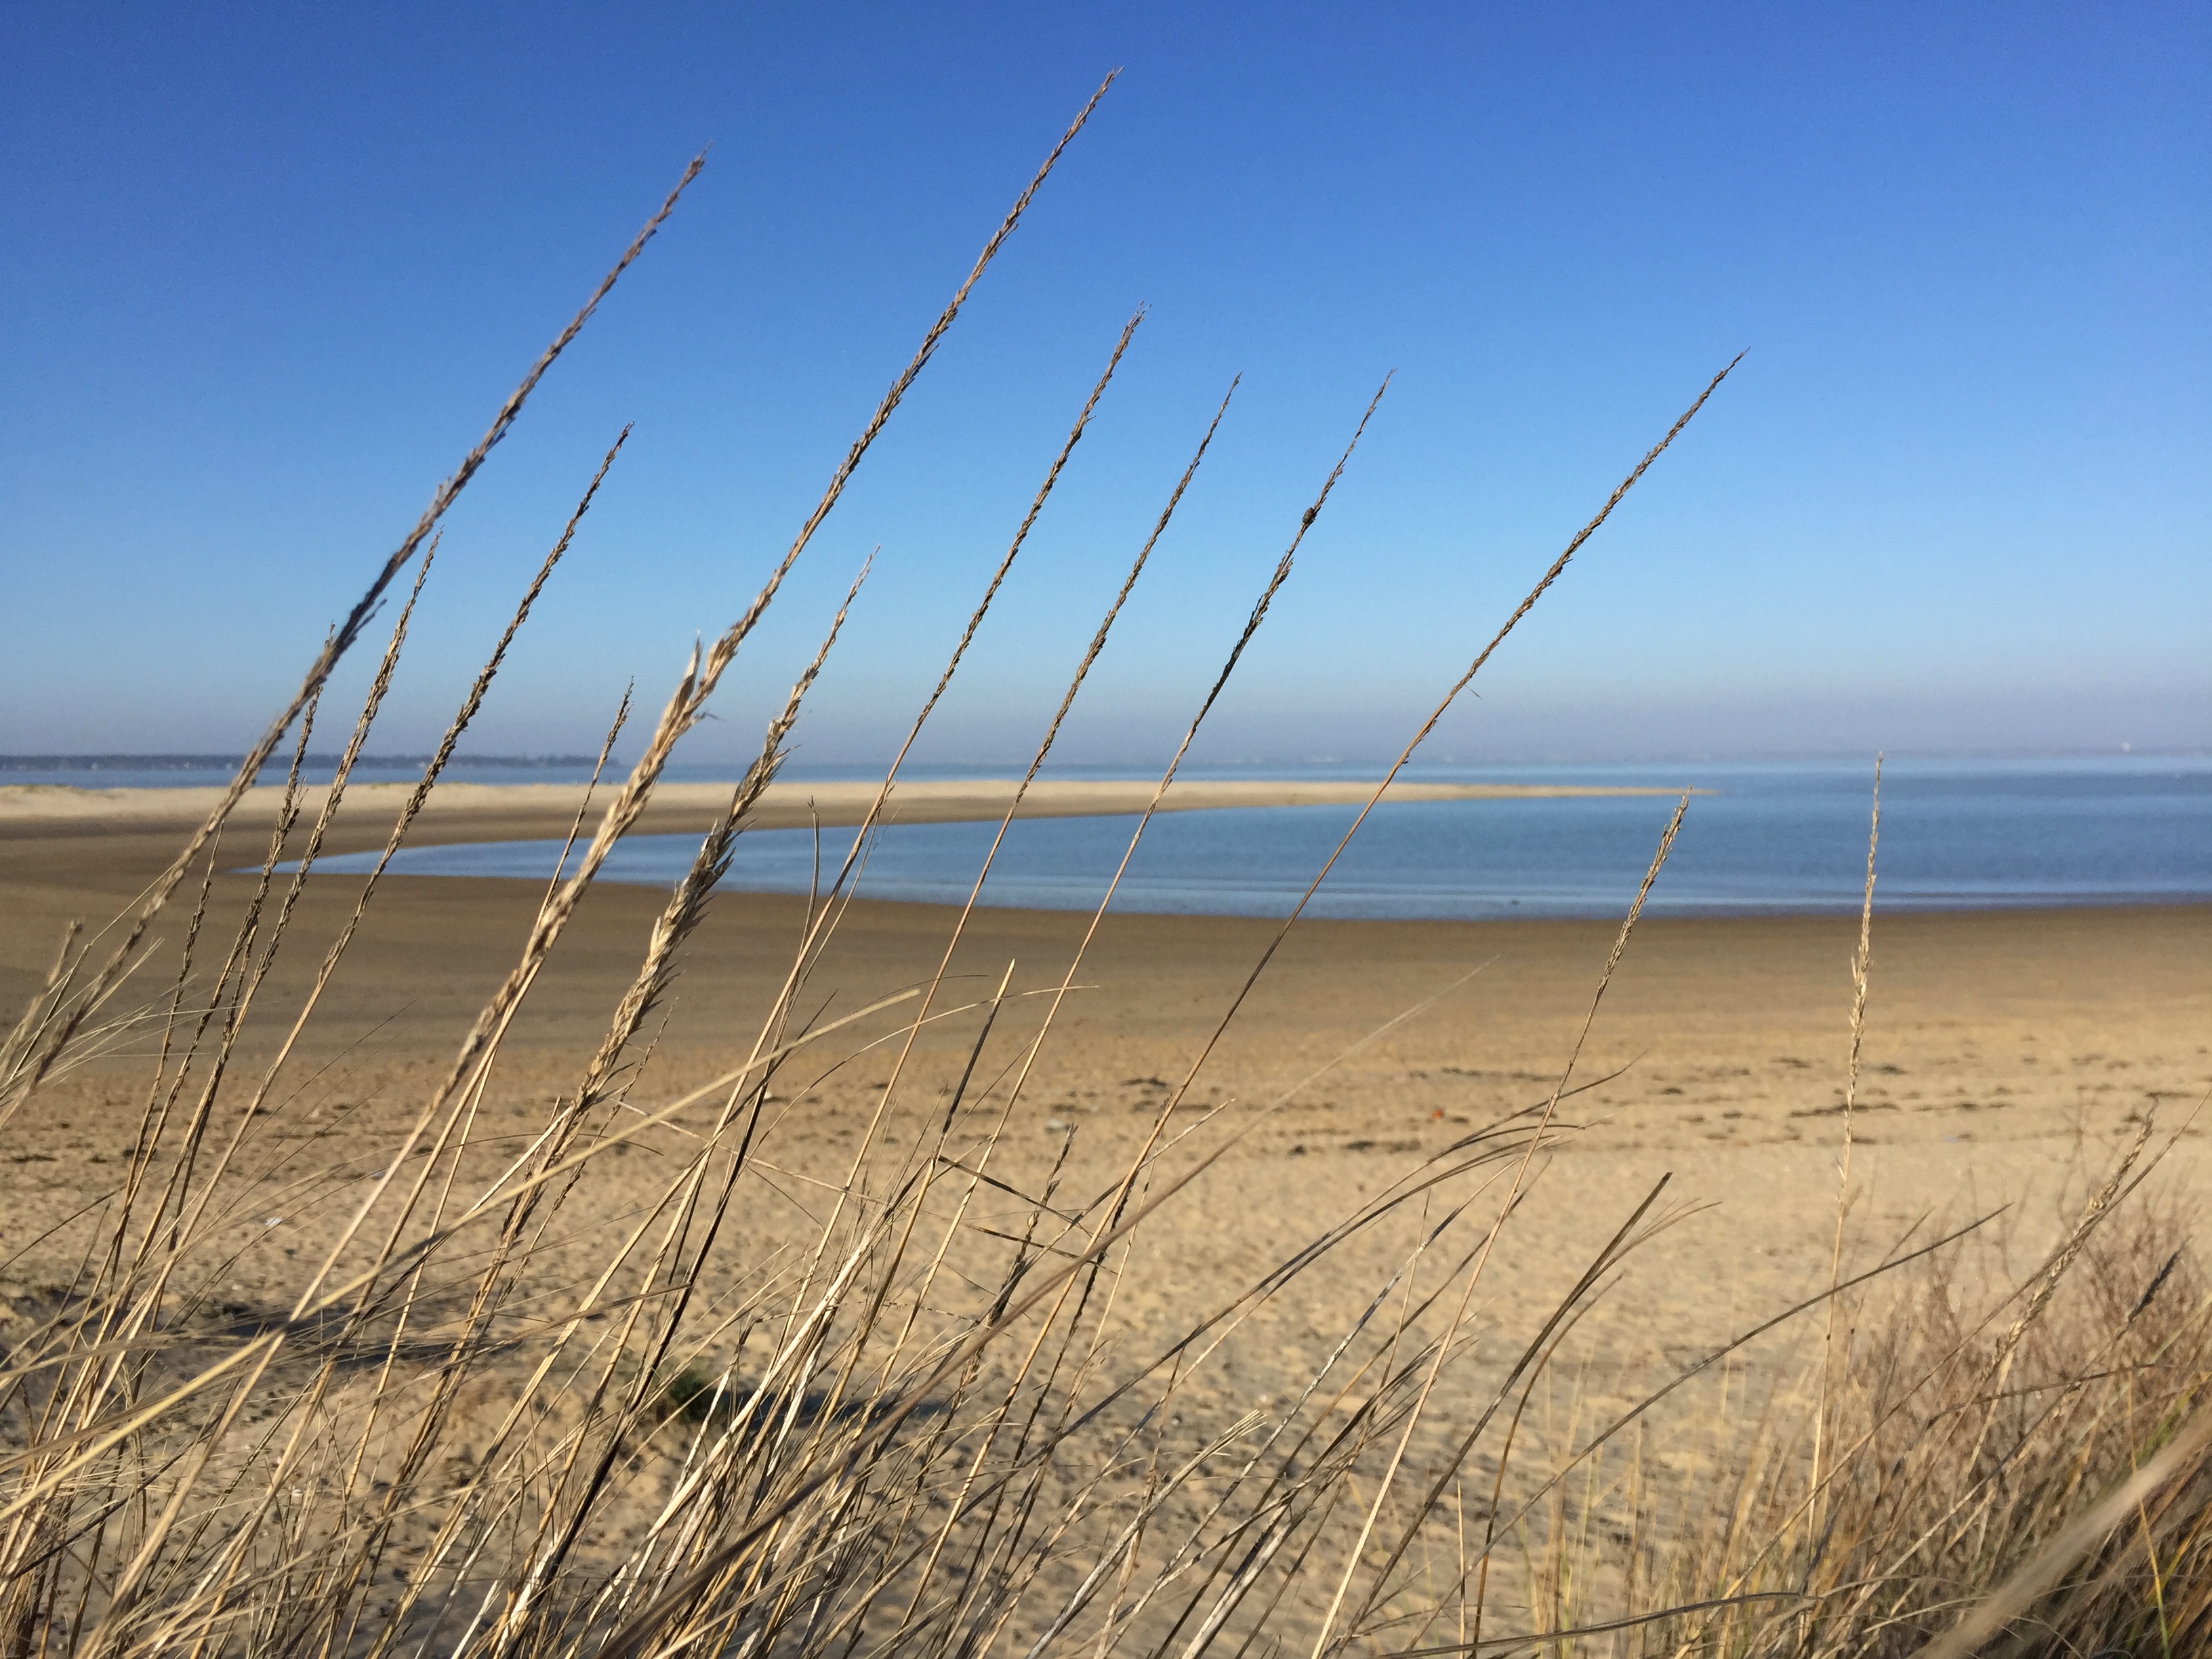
267, 272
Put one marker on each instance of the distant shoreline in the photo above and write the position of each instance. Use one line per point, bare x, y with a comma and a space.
225, 765
228, 764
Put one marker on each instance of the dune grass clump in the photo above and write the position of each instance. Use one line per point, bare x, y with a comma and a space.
1973, 1426
921, 1429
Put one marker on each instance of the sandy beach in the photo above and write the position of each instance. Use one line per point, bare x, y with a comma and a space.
2008, 1057
2003, 1048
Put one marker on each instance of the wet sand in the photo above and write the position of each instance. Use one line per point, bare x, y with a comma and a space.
2008, 1055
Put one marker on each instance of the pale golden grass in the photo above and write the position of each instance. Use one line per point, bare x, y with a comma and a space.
925, 1429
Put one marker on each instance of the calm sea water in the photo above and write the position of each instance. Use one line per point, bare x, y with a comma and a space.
1773, 838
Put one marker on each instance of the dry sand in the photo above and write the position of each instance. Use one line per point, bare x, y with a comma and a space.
2006, 1053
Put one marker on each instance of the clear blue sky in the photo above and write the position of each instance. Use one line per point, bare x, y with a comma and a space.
267, 272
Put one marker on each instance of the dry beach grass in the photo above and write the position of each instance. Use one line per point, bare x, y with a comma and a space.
461, 1280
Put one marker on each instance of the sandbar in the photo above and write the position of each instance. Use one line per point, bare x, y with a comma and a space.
466, 811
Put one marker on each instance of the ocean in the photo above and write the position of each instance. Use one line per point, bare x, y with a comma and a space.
1771, 838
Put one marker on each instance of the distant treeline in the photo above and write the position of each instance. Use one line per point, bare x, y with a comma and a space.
228, 763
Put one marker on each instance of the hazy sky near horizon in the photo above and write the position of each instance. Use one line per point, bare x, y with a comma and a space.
269, 271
